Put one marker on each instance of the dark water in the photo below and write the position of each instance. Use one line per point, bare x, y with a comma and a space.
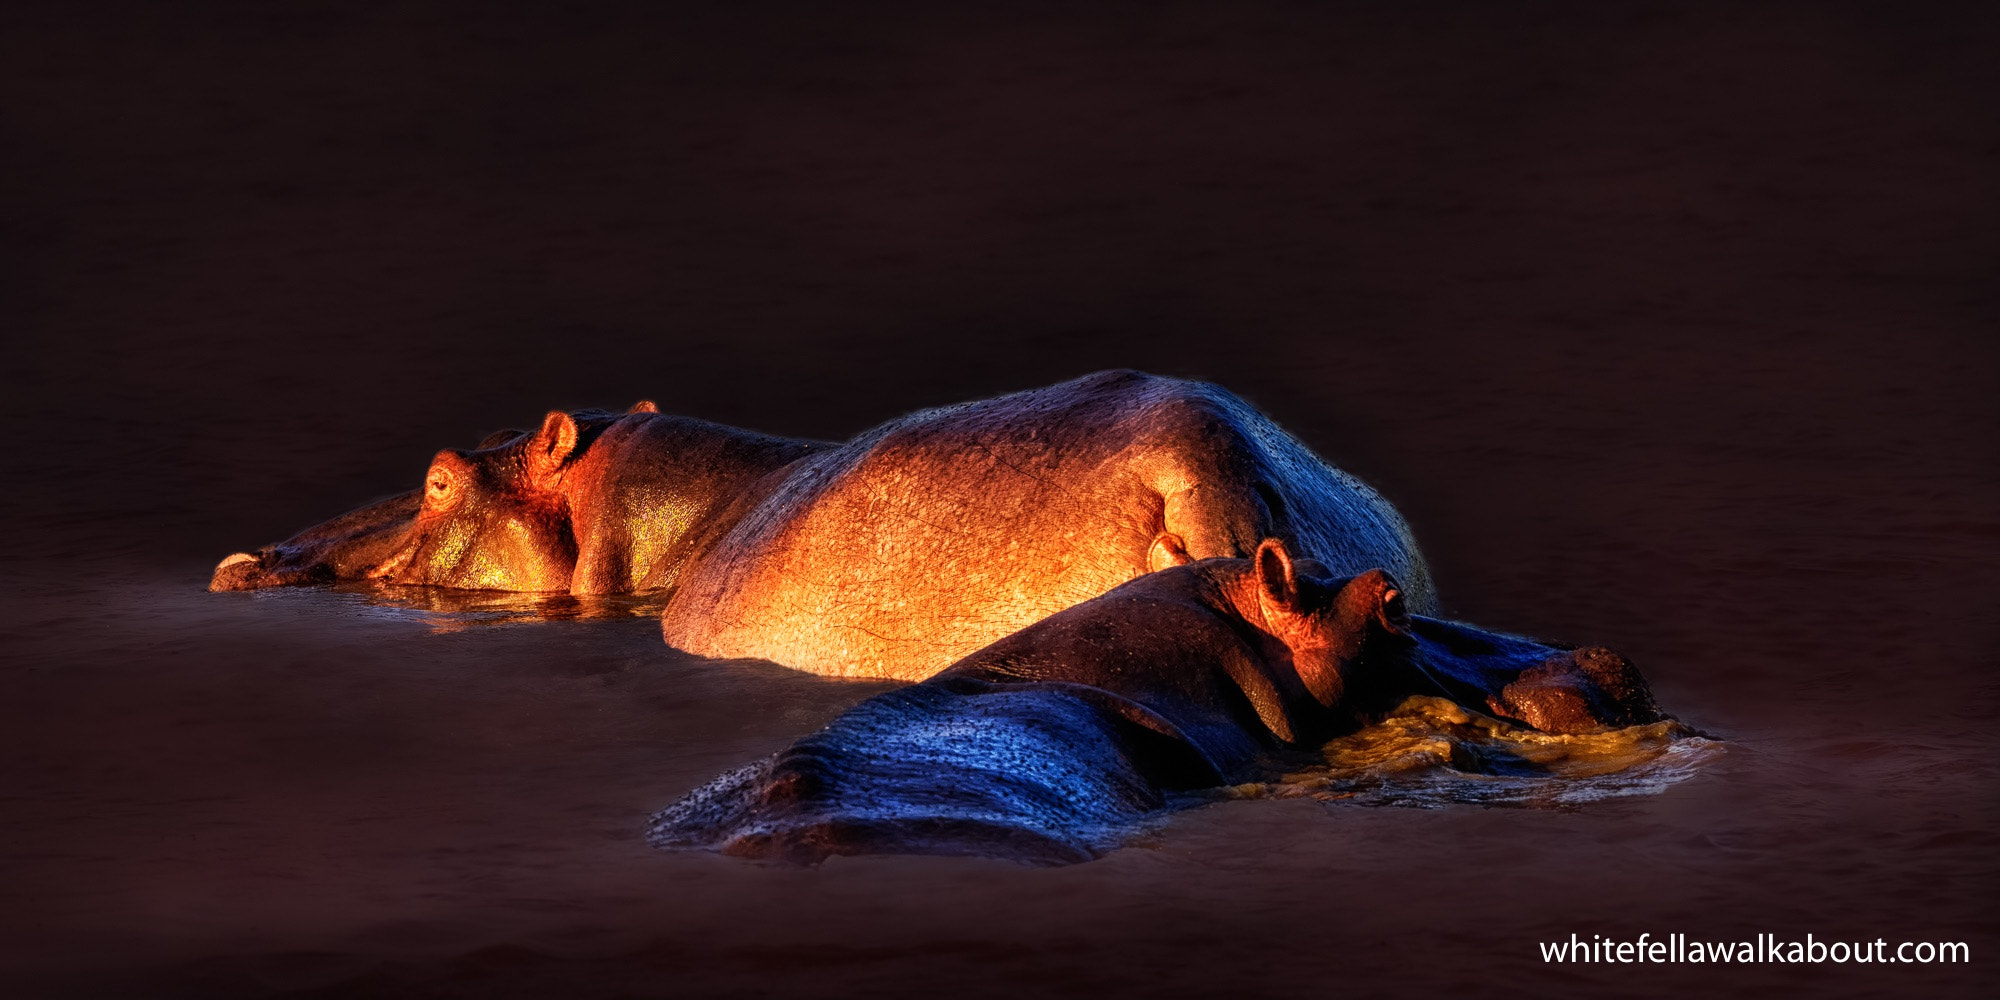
1670, 331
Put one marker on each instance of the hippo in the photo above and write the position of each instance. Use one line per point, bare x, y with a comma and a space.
1053, 744
891, 555
900, 552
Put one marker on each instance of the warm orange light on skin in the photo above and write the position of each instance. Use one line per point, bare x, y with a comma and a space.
1042, 743
940, 533
891, 555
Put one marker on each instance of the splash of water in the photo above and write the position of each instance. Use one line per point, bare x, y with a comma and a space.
1431, 753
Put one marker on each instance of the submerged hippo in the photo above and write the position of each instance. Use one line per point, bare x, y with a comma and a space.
891, 555
1052, 743
901, 551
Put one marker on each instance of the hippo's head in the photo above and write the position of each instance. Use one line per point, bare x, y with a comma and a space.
1359, 652
482, 524
489, 518
1340, 633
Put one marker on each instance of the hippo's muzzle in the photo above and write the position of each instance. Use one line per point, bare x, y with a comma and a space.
345, 548
1576, 691
255, 571
1551, 687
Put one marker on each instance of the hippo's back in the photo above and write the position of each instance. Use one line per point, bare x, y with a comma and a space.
939, 532
1037, 773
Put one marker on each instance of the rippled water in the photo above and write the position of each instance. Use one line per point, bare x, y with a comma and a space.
1428, 753
1432, 753
1669, 330
447, 610
243, 794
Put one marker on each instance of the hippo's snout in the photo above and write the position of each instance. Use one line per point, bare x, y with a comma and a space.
345, 548
255, 571
238, 572
1577, 691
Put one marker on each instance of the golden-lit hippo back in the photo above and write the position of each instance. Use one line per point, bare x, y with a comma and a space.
891, 555
933, 535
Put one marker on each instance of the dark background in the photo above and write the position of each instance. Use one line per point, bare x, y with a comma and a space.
1670, 327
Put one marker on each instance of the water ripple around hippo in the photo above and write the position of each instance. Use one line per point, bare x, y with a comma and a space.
1428, 753
1033, 779
1432, 753
446, 610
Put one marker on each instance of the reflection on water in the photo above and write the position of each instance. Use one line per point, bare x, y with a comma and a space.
1431, 752
445, 609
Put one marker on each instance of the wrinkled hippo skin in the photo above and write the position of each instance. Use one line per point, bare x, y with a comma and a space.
1054, 743
348, 547
891, 555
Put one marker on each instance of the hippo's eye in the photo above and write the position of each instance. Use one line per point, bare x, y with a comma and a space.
1392, 609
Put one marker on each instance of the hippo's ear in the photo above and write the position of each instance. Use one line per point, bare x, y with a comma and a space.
644, 406
1275, 577
553, 443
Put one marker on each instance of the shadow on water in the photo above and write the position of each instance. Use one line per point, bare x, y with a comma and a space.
1431, 753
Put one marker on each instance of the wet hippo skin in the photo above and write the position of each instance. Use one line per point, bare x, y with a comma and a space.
890, 555
1053, 744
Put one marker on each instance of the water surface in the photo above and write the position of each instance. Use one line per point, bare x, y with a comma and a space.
1669, 330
